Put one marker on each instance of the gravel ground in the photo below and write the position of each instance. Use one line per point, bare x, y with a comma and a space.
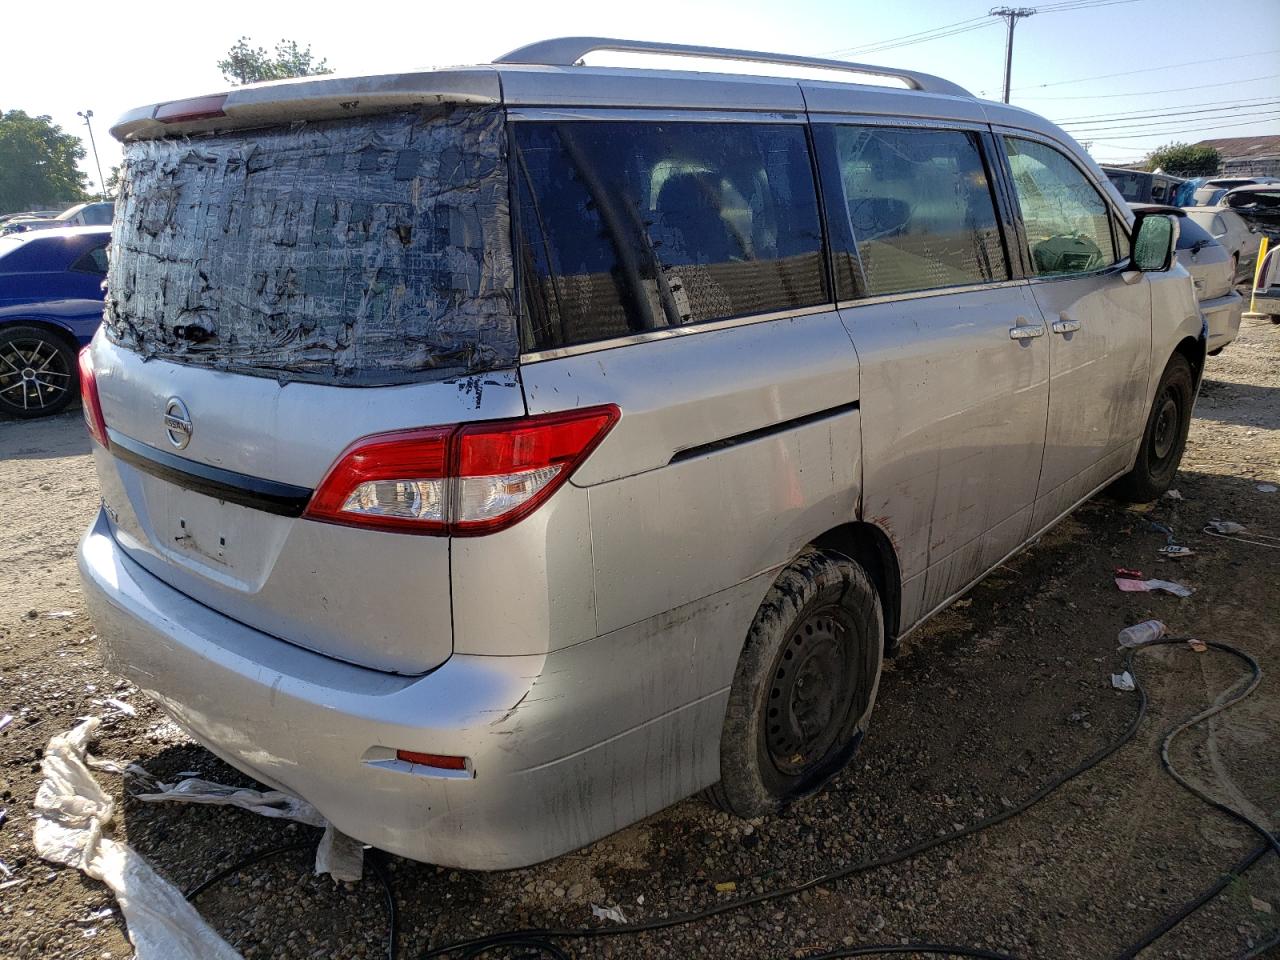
1000, 692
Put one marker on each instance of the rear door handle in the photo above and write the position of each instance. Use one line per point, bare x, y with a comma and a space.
1026, 332
1066, 326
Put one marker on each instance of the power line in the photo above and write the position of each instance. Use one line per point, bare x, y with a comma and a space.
1152, 134
963, 26
1087, 123
1169, 66
1106, 129
1151, 93
923, 36
1138, 115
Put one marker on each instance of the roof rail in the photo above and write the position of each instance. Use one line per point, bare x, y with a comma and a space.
567, 51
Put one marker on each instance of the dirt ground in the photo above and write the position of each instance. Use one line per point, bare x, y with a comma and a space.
999, 693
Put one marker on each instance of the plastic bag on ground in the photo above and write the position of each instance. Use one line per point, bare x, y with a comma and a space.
337, 854
1129, 585
1122, 681
266, 803
71, 813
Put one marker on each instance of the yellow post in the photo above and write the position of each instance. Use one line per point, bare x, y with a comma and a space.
1257, 275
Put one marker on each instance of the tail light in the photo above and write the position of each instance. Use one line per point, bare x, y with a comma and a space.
89, 401
463, 480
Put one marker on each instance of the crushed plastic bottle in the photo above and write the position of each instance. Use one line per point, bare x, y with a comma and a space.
1140, 633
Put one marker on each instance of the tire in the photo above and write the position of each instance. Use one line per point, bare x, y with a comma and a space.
804, 688
1214, 353
38, 372
1164, 438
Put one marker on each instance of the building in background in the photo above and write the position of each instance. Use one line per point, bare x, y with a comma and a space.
1247, 156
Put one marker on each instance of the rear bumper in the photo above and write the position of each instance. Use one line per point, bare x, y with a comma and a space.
1268, 301
327, 730
1222, 314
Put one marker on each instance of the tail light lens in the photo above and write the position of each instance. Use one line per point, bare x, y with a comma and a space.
89, 401
461, 480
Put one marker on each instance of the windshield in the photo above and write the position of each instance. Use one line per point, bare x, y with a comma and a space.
374, 249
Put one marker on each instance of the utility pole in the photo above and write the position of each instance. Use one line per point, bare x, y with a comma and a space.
1011, 15
87, 116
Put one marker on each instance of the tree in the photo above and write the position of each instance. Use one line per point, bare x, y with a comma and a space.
112, 186
1183, 159
37, 162
248, 64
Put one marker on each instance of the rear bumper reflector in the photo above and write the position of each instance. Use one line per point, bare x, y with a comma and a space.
269, 496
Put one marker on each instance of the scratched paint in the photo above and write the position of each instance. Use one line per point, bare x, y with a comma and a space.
368, 250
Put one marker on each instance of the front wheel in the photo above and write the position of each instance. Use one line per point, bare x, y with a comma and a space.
38, 374
1165, 437
804, 688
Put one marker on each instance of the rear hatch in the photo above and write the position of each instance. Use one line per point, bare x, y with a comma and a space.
275, 294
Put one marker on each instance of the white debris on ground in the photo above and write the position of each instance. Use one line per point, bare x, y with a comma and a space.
337, 854
71, 814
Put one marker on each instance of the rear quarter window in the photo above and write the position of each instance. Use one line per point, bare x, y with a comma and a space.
626, 227
1191, 233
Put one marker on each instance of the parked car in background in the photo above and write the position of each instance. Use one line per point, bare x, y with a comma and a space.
1139, 186
81, 215
29, 215
1212, 271
1185, 195
1258, 205
50, 305
1211, 192
767, 371
1232, 231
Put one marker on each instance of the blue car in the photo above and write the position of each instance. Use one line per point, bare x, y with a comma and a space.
50, 305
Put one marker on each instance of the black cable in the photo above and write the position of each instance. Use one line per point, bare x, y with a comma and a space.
544, 935
937, 949
247, 862
393, 917
538, 943
1269, 840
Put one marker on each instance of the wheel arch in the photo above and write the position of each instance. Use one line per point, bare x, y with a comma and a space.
66, 335
870, 547
1193, 349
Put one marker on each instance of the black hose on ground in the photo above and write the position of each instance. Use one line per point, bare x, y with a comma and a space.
541, 943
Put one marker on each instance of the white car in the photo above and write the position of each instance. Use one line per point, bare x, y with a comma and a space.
1233, 232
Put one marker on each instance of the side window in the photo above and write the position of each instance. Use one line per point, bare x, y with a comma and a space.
631, 226
92, 261
919, 208
1067, 223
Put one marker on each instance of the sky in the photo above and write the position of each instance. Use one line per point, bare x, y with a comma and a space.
1123, 76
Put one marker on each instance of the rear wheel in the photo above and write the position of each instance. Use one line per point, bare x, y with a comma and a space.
38, 374
804, 688
1165, 436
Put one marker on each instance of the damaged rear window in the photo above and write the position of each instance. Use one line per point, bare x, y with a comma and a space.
367, 250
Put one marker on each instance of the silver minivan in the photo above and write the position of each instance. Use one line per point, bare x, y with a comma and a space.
494, 456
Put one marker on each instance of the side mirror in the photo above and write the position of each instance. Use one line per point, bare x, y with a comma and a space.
1155, 237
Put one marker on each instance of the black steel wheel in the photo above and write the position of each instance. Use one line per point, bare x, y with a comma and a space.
1165, 436
804, 687
38, 374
